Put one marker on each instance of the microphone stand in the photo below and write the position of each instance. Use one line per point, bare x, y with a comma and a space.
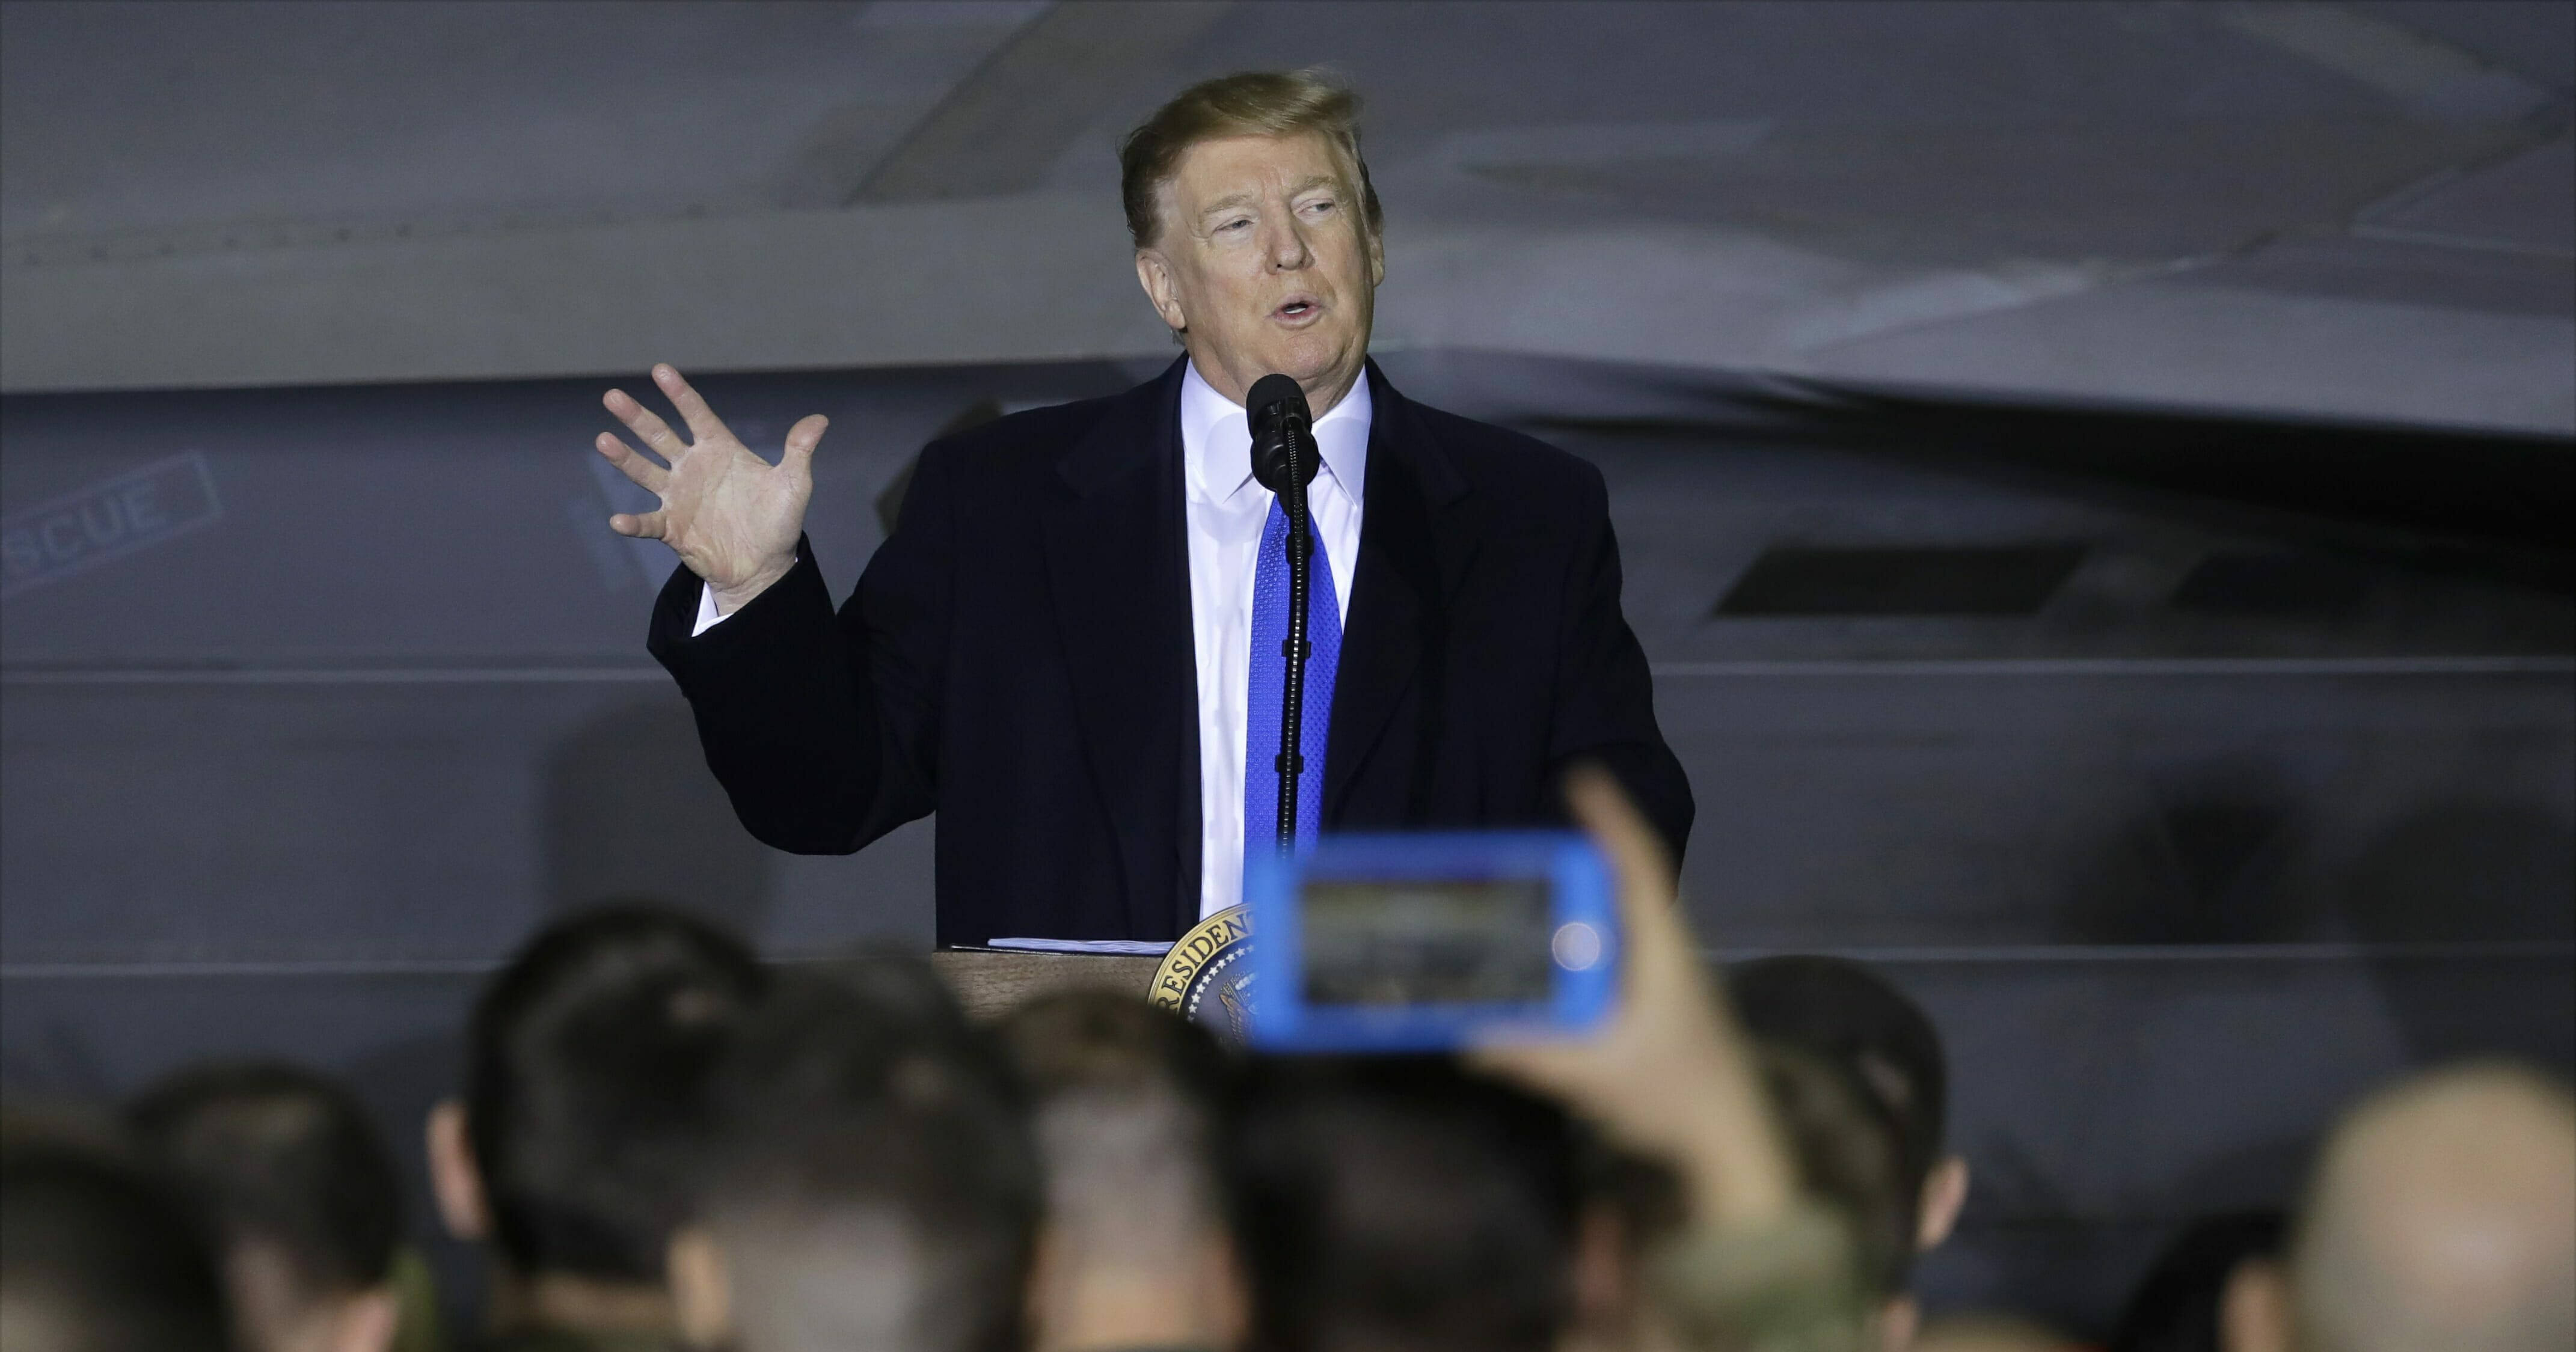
1294, 650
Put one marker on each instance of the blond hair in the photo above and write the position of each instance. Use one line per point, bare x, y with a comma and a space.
1252, 103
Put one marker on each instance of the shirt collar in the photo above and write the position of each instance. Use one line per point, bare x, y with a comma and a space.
1216, 442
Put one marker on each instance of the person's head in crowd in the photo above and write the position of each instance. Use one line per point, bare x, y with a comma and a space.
904, 987
1849, 1155
99, 1251
293, 1181
1401, 1204
588, 1058
2441, 1214
1127, 1100
1850, 1014
2176, 1305
1888, 1047
872, 1186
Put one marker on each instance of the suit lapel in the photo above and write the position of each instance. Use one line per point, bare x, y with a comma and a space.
1118, 577
1415, 549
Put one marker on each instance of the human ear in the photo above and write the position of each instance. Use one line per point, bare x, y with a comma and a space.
2254, 1312
455, 1181
1377, 258
1945, 1190
1155, 275
701, 1287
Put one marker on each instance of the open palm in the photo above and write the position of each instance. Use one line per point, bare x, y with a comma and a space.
731, 516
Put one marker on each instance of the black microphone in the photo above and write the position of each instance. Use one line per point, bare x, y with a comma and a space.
1276, 408
1284, 460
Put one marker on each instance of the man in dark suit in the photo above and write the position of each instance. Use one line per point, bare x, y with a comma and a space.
1069, 647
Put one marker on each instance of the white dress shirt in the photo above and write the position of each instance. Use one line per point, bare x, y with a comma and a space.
1226, 511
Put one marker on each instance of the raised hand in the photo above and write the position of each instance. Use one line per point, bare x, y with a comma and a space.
731, 516
1670, 1073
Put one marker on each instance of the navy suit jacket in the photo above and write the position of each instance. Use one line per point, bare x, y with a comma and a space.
1018, 658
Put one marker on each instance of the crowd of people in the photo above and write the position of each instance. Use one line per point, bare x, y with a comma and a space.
660, 1142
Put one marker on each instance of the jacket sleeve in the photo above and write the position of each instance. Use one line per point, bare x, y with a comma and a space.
824, 728
1605, 697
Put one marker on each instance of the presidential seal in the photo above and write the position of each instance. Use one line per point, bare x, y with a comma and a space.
1207, 976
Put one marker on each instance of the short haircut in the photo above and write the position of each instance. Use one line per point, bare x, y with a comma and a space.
278, 1156
902, 986
585, 1091
1847, 1012
2176, 1306
1128, 1100
1402, 1203
98, 1251
1252, 103
1845, 1148
873, 1183
1085, 1040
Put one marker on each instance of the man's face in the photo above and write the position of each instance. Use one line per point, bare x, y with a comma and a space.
1266, 260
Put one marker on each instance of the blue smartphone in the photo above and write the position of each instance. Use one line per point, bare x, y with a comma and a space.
1414, 942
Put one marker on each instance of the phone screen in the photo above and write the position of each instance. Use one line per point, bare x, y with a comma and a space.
1405, 941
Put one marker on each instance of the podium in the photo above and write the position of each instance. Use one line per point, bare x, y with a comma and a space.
1203, 978
990, 983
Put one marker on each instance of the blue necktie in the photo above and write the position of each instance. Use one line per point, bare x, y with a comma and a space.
1269, 679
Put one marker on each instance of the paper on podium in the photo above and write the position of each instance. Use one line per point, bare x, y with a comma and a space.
1203, 977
